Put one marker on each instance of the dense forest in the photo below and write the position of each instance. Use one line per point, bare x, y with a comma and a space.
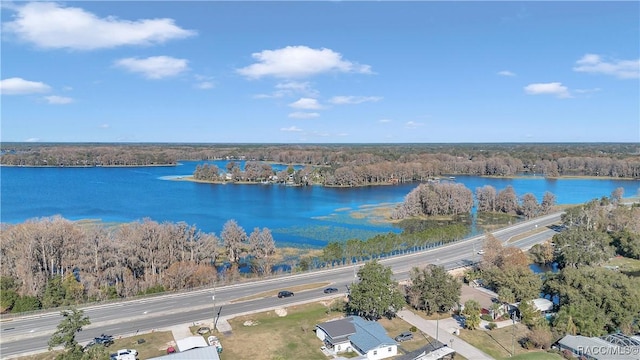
593, 299
352, 164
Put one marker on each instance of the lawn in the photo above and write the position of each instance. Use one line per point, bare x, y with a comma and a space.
155, 344
292, 337
628, 266
271, 336
498, 342
537, 356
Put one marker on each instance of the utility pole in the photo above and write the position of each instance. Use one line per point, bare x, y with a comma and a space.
513, 338
437, 324
215, 321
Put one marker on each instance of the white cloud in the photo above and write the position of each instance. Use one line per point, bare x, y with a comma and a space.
622, 69
587, 91
290, 88
303, 115
299, 62
553, 88
506, 73
19, 86
155, 67
32, 140
58, 100
104, 126
306, 103
205, 85
343, 100
51, 26
292, 128
412, 124
384, 120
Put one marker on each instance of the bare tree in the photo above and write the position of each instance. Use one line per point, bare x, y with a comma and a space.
529, 206
234, 238
262, 247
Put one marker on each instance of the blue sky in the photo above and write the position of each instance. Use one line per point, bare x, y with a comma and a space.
320, 72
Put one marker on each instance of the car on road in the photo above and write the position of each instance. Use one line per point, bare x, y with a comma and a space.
404, 336
330, 290
284, 294
481, 252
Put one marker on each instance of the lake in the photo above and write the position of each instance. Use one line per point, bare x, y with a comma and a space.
300, 216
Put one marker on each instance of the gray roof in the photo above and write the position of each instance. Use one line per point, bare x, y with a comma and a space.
338, 328
597, 348
369, 335
208, 353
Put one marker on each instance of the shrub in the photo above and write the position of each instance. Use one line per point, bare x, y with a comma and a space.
413, 329
486, 317
492, 326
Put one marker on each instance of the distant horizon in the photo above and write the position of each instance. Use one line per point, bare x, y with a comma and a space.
336, 143
320, 72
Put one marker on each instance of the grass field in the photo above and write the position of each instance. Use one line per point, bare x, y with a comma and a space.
291, 337
499, 342
628, 266
155, 344
537, 356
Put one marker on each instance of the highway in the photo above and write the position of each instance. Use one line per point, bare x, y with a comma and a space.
29, 333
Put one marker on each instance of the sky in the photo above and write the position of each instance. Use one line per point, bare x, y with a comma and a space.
320, 71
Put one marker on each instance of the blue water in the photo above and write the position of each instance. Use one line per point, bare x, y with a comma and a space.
310, 215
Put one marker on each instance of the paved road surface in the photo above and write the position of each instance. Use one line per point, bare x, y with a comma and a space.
29, 333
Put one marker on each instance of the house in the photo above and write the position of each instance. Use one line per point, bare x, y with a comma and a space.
609, 347
355, 334
541, 305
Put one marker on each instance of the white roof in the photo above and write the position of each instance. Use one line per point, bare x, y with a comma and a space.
543, 304
191, 342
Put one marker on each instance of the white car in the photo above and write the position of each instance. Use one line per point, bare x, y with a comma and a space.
481, 252
124, 354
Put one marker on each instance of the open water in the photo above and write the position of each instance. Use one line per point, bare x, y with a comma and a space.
300, 216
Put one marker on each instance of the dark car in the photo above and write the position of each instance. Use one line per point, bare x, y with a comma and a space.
330, 290
405, 336
284, 293
103, 339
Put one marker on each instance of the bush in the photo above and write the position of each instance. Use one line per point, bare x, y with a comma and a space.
486, 317
492, 326
25, 303
413, 329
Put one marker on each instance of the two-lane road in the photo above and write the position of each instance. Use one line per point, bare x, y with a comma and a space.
29, 333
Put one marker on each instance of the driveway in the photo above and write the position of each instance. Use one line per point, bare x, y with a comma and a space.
445, 334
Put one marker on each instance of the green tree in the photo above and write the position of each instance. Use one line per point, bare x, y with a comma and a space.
65, 335
73, 289
333, 252
26, 303
53, 293
8, 293
433, 289
579, 246
529, 315
376, 294
471, 313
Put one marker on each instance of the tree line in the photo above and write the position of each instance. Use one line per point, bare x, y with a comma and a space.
354, 165
446, 198
52, 261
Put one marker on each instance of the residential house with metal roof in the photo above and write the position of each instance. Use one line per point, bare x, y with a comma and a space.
355, 334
